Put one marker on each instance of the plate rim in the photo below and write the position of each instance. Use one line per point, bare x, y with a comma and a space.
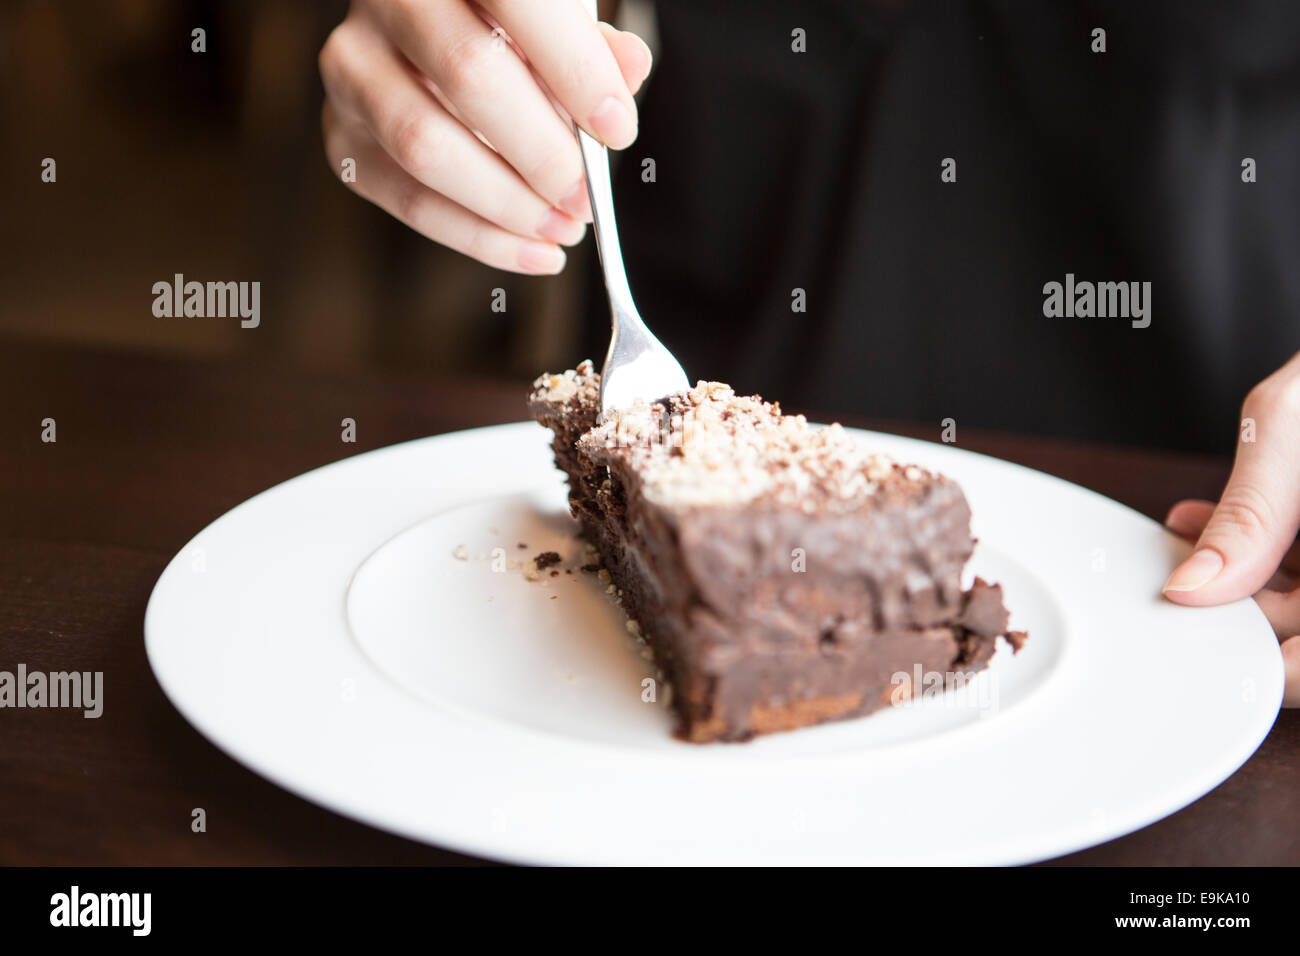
1213, 773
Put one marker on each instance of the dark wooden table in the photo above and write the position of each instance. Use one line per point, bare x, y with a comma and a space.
150, 450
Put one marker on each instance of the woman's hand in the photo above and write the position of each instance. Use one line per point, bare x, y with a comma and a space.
445, 107
1246, 544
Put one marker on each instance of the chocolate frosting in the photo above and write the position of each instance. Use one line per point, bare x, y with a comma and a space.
783, 575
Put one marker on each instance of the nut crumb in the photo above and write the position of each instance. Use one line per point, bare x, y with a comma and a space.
460, 553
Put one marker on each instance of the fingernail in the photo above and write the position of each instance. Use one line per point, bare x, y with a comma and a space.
541, 258
613, 124
1198, 570
576, 203
561, 228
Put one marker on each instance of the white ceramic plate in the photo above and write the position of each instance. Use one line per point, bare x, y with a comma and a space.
324, 634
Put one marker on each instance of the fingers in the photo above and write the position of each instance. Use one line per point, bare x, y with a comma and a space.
1282, 611
581, 72
1188, 519
1291, 661
633, 56
1256, 519
386, 184
478, 71
380, 91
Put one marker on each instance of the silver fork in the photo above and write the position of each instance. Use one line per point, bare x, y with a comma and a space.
637, 365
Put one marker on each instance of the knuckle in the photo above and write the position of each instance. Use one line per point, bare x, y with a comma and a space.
1276, 395
333, 56
415, 143
463, 70
1244, 510
1287, 395
1258, 400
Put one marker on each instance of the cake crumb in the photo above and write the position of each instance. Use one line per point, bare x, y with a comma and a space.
546, 559
460, 553
530, 571
523, 545
634, 627
604, 576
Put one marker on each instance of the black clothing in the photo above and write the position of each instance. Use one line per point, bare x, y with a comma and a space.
778, 170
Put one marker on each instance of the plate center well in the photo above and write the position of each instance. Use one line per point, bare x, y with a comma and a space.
446, 610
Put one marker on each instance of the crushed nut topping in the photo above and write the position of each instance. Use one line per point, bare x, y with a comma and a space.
709, 446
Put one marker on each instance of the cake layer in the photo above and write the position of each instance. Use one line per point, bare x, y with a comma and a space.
783, 575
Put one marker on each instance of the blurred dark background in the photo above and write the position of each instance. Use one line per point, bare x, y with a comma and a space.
211, 165
776, 170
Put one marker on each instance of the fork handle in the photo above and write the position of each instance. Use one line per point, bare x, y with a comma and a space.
600, 190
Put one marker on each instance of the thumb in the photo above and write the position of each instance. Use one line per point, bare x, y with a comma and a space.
1255, 521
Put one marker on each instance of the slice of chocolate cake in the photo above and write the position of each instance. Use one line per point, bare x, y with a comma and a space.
782, 574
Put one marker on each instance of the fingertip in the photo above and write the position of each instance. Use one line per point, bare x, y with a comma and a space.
560, 227
632, 54
1189, 517
577, 203
640, 60
540, 258
613, 123
1291, 664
